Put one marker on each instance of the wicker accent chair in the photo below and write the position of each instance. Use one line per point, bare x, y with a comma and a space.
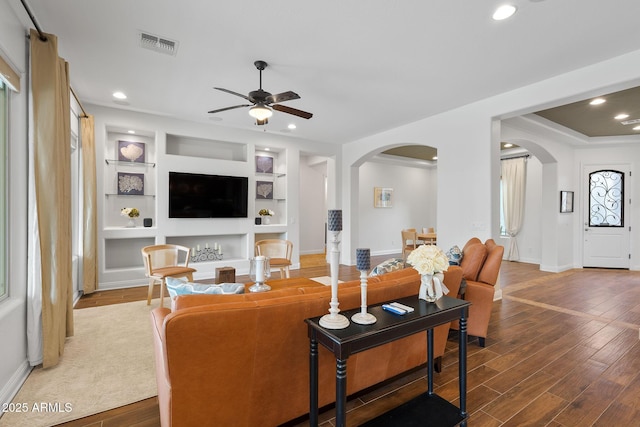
162, 261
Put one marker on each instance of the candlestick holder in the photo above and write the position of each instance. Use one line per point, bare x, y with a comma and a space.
334, 320
362, 317
206, 254
259, 272
363, 262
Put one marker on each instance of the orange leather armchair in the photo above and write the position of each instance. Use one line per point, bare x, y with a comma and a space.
480, 269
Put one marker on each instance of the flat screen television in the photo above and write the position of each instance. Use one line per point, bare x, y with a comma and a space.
207, 196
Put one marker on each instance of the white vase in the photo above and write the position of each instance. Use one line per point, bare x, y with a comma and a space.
427, 289
266, 220
431, 287
131, 223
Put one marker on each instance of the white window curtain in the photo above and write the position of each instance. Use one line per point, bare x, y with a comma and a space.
514, 172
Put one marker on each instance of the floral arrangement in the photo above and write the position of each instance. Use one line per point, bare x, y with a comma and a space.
428, 259
266, 212
130, 212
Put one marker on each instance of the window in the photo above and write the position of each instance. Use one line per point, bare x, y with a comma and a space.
3, 188
606, 199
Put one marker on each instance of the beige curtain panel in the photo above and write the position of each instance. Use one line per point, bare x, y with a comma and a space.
514, 174
90, 227
52, 178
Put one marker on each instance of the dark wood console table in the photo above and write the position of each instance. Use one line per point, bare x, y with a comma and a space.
390, 327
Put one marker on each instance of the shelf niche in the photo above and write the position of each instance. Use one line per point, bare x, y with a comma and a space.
211, 149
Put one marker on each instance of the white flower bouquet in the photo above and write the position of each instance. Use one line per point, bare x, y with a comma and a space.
431, 262
266, 212
428, 259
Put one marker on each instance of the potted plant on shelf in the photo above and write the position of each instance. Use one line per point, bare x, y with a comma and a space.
265, 215
130, 213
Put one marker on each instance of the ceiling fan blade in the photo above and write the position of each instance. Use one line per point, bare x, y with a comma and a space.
293, 111
234, 93
282, 97
229, 108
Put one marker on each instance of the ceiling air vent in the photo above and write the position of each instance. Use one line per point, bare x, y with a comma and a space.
159, 44
630, 122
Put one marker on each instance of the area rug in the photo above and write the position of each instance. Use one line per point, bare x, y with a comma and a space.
325, 280
108, 363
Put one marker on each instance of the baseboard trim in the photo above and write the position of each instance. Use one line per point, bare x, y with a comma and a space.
12, 387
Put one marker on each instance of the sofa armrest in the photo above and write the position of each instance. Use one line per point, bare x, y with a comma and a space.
162, 378
480, 295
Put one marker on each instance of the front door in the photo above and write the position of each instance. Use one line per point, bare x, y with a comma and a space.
607, 228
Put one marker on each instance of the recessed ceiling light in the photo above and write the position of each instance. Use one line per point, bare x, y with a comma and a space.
507, 145
636, 128
119, 95
267, 149
503, 12
131, 131
621, 116
434, 158
598, 101
291, 126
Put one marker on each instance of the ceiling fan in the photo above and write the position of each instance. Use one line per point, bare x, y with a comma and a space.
263, 103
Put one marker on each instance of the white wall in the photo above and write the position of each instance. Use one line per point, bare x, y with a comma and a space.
414, 204
313, 204
13, 330
468, 139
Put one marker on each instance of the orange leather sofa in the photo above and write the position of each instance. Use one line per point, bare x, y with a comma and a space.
480, 268
243, 360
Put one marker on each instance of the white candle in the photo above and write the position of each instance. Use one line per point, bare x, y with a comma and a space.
198, 247
215, 245
206, 246
260, 269
219, 249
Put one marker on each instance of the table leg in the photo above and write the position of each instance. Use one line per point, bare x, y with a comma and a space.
430, 361
313, 381
341, 392
462, 364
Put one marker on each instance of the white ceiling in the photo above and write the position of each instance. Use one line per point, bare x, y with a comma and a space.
360, 67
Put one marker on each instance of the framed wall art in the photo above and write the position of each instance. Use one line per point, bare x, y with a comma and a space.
264, 190
566, 201
131, 151
264, 164
130, 184
382, 197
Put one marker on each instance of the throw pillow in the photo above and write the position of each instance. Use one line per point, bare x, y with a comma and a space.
182, 287
387, 266
455, 255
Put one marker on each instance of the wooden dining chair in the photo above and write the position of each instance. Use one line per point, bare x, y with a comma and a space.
409, 242
162, 261
430, 237
279, 253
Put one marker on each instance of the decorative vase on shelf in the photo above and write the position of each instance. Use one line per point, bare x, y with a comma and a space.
266, 220
131, 223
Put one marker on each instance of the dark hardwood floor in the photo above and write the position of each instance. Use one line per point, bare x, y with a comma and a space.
563, 350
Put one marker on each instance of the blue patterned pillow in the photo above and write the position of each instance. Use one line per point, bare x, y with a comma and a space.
455, 255
387, 266
182, 287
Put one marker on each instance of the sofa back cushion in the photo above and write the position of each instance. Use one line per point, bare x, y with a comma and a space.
473, 257
491, 267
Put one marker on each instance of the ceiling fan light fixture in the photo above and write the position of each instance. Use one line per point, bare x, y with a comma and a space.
260, 112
